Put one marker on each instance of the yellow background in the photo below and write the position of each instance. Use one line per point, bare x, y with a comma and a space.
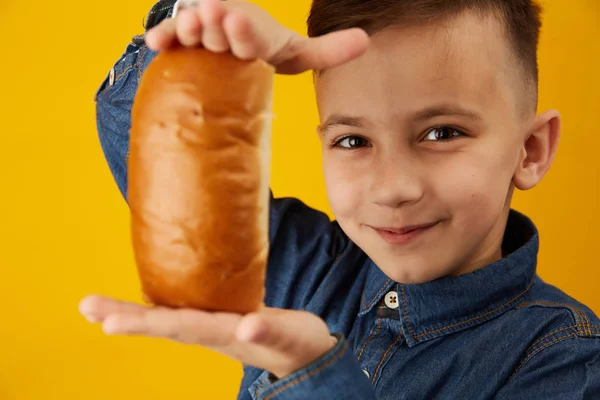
64, 227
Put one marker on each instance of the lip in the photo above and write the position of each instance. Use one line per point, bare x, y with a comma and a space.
405, 234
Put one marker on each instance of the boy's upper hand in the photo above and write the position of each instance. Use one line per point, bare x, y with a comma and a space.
249, 32
278, 341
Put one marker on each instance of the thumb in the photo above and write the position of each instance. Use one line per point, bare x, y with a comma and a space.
327, 51
286, 331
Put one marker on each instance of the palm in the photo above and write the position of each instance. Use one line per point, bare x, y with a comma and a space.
276, 340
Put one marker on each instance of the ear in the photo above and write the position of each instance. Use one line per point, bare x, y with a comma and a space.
538, 150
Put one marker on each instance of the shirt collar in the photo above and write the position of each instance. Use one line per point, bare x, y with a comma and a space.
451, 304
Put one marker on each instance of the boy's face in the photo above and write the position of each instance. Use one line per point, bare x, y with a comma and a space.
421, 138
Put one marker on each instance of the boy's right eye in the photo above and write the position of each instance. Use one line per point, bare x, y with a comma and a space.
351, 142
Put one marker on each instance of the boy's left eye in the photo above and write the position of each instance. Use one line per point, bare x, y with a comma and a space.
442, 133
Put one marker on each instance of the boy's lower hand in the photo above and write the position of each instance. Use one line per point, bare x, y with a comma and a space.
278, 341
249, 32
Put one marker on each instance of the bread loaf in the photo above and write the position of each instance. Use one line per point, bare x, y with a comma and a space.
198, 180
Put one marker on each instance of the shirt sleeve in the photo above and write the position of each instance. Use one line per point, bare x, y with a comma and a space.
336, 375
568, 370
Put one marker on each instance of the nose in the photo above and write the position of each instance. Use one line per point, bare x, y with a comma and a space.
395, 180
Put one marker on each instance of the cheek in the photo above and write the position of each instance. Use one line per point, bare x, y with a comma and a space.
475, 184
344, 188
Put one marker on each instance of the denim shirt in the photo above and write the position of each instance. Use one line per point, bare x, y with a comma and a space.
499, 332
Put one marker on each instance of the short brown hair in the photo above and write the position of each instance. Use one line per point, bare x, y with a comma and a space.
521, 19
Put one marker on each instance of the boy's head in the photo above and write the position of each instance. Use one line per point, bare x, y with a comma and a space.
432, 129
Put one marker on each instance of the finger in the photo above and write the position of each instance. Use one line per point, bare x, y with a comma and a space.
182, 325
211, 15
327, 51
189, 28
96, 308
242, 37
162, 36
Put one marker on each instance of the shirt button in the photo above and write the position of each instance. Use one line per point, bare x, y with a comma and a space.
111, 77
391, 300
367, 373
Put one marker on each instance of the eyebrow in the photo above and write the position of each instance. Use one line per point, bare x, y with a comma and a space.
421, 115
445, 111
344, 120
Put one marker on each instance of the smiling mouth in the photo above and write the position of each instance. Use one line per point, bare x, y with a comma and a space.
405, 234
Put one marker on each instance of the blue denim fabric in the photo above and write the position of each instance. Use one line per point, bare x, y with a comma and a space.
499, 332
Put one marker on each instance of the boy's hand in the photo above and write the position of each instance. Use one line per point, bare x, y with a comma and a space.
278, 341
249, 32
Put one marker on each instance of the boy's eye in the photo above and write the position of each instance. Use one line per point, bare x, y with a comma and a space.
442, 133
351, 142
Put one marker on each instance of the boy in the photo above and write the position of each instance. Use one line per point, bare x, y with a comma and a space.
427, 279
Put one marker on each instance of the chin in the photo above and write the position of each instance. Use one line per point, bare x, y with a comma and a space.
411, 270
410, 277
